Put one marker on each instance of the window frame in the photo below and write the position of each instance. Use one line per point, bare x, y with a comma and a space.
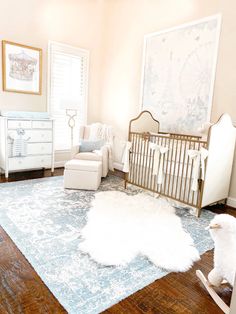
78, 51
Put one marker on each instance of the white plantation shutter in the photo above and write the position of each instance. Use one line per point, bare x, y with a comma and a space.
68, 79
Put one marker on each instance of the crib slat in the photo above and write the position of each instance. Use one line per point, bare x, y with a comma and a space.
149, 158
152, 176
165, 165
132, 169
171, 163
139, 152
174, 169
191, 176
144, 164
159, 186
186, 173
134, 159
179, 160
130, 159
182, 174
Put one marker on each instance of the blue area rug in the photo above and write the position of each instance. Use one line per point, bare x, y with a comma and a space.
45, 221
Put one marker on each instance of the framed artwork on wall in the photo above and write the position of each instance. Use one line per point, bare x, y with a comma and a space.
21, 68
179, 67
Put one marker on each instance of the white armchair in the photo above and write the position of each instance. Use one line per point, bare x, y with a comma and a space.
98, 155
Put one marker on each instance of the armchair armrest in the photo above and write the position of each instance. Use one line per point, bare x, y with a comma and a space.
105, 161
74, 151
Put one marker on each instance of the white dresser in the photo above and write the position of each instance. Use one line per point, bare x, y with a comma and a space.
26, 144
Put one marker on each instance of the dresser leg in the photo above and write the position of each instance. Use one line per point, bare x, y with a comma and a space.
6, 176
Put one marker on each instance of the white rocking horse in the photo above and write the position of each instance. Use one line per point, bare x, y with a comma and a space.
223, 231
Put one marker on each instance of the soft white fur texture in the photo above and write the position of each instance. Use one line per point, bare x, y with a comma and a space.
225, 249
120, 227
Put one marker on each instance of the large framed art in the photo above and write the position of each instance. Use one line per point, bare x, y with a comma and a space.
21, 68
179, 67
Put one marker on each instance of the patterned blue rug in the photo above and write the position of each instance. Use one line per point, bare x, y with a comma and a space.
45, 221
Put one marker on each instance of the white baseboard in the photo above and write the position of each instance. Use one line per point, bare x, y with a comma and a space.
231, 201
59, 164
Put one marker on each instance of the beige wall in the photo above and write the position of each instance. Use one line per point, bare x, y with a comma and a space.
34, 22
126, 24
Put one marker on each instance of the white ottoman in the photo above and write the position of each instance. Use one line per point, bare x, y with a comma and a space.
82, 174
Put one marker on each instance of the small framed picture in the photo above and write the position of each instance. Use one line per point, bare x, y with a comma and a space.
22, 68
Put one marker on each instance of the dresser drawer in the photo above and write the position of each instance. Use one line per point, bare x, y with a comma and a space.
41, 124
39, 148
29, 162
19, 124
38, 136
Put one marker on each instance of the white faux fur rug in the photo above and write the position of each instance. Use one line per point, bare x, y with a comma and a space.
120, 227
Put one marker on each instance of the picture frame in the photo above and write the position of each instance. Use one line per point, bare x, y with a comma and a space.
178, 74
21, 68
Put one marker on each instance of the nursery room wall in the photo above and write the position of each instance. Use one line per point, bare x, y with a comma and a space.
125, 26
34, 22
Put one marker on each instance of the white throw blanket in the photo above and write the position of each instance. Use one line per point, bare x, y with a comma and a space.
99, 131
120, 227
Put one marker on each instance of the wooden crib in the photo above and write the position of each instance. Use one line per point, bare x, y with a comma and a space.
186, 168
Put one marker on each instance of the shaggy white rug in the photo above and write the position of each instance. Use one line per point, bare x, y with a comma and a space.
121, 226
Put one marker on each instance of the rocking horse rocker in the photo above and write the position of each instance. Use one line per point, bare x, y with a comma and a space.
223, 232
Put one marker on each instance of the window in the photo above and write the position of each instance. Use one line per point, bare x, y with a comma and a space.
67, 81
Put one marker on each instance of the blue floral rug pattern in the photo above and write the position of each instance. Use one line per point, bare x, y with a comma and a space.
45, 221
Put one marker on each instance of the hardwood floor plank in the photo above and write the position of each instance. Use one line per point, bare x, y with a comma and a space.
175, 293
21, 289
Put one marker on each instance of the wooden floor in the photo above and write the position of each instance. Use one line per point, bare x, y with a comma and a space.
22, 291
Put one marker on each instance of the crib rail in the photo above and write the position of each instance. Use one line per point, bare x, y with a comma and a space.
175, 168
181, 136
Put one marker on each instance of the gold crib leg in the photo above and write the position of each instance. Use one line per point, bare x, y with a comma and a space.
199, 210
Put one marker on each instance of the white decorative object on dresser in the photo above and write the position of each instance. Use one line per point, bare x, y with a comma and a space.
26, 142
